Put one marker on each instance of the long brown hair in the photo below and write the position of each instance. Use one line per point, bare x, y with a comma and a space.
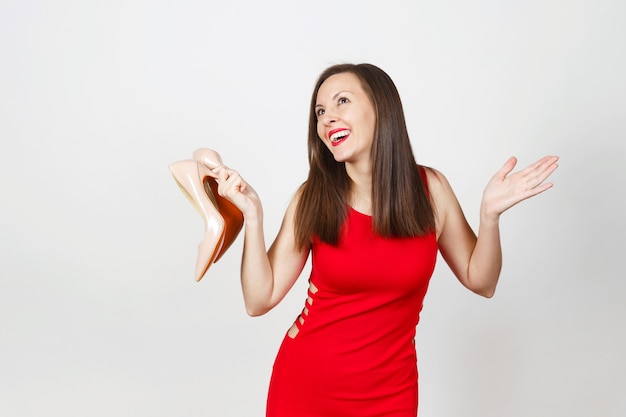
401, 207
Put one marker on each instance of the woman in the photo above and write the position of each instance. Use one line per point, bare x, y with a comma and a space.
373, 221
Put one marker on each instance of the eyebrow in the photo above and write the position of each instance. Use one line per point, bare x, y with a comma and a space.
337, 94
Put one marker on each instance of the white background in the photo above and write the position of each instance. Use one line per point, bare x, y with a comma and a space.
99, 312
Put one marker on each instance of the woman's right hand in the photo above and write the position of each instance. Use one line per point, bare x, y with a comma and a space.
266, 276
233, 187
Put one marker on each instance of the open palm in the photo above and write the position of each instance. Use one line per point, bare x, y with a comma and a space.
506, 189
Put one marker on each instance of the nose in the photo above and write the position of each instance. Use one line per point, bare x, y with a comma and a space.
329, 118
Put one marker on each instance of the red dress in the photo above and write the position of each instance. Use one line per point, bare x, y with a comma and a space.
354, 354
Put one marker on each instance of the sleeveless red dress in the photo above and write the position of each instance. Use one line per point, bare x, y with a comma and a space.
354, 354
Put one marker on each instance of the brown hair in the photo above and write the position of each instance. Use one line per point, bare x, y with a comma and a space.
401, 207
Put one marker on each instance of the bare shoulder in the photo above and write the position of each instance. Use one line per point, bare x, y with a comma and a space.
288, 226
295, 200
285, 240
442, 197
438, 184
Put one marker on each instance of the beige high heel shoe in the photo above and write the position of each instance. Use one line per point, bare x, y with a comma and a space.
233, 219
223, 221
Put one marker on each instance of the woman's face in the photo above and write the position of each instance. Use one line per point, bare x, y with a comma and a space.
346, 118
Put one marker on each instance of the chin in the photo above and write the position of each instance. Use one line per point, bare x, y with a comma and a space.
340, 158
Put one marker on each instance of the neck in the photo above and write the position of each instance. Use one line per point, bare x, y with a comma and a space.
361, 191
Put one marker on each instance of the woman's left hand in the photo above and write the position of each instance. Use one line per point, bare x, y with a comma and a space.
505, 190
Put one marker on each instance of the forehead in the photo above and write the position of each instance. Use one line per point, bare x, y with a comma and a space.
345, 81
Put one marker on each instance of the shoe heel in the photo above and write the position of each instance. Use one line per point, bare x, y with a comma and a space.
233, 218
190, 178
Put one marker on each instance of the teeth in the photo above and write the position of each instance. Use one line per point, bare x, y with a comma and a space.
336, 136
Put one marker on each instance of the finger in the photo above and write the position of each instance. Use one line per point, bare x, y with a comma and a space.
222, 173
540, 174
549, 166
506, 168
539, 165
538, 190
231, 183
213, 173
547, 171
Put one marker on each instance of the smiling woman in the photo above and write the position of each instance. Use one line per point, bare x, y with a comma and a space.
346, 117
376, 155
373, 221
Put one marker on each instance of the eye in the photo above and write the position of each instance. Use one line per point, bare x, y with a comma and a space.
319, 112
343, 100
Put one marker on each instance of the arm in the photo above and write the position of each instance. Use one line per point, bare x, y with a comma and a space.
477, 261
266, 276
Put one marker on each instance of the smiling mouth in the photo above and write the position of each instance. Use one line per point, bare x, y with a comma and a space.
339, 136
